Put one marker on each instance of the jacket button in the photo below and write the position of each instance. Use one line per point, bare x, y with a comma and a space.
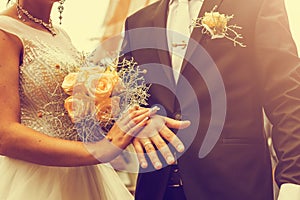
178, 116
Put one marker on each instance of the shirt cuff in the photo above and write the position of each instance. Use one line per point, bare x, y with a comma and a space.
289, 191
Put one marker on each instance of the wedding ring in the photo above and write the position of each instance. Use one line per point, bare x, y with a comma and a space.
146, 143
109, 138
136, 107
130, 125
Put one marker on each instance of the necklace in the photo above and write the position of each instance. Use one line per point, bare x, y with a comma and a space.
47, 26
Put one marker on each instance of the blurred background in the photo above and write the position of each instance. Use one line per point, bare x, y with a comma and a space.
91, 21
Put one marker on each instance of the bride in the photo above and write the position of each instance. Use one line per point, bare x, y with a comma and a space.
43, 158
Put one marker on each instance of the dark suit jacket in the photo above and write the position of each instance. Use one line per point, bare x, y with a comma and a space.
264, 75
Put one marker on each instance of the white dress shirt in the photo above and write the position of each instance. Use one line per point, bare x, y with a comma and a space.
194, 6
194, 9
288, 191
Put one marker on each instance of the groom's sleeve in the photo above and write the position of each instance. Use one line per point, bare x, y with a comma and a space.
280, 66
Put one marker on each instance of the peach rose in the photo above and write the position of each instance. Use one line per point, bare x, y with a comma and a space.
97, 69
69, 83
78, 106
107, 109
100, 86
113, 73
86, 72
80, 89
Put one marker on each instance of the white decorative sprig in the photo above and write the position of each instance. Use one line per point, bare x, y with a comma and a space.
101, 92
135, 89
216, 25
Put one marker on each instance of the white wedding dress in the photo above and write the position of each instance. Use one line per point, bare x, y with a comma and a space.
46, 61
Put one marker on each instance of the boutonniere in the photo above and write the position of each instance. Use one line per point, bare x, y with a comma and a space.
216, 25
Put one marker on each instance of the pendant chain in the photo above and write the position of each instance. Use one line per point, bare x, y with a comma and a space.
47, 26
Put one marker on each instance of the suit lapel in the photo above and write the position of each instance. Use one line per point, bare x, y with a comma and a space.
160, 15
196, 35
163, 96
160, 20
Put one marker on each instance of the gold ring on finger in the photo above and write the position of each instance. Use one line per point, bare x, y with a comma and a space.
146, 143
109, 138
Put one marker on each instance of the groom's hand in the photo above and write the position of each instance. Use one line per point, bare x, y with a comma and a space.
153, 138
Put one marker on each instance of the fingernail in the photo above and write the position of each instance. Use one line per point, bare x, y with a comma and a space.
156, 108
143, 165
157, 165
170, 160
185, 124
180, 148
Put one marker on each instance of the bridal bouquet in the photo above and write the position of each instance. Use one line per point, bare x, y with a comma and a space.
99, 93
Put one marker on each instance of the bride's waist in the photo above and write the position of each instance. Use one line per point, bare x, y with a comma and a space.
59, 127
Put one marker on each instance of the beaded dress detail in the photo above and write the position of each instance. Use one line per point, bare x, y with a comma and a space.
45, 64
47, 60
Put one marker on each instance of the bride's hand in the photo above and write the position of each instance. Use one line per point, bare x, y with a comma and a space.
121, 134
128, 126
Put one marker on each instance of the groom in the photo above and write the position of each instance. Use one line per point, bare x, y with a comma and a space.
223, 87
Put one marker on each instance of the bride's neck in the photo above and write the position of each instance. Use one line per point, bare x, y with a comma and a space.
38, 9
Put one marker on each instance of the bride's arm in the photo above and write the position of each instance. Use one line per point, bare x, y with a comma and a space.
20, 142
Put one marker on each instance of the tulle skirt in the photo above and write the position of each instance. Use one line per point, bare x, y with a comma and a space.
20, 180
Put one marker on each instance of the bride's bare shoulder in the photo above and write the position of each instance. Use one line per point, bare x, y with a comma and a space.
10, 12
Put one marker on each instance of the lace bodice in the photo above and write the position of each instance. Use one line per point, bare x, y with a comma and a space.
47, 60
